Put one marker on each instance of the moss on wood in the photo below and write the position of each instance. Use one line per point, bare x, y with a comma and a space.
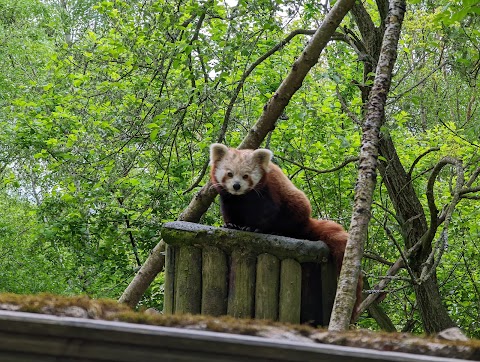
111, 310
184, 233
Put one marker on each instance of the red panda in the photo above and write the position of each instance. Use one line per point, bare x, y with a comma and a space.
255, 195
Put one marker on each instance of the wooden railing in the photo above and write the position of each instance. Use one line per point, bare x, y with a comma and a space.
218, 271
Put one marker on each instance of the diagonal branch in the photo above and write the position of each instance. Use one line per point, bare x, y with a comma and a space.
345, 162
417, 160
272, 110
239, 87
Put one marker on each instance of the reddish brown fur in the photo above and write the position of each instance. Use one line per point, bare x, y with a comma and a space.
276, 206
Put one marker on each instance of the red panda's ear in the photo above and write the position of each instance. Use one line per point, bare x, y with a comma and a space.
263, 157
217, 152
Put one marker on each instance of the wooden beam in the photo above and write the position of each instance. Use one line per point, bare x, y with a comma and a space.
181, 233
30, 337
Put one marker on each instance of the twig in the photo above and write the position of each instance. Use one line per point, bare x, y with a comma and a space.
417, 160
377, 258
348, 160
345, 108
400, 95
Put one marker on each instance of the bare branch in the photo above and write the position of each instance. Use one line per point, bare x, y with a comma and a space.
435, 256
417, 160
376, 290
394, 269
435, 221
347, 160
423, 80
345, 108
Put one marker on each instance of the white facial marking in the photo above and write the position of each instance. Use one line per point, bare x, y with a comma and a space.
239, 172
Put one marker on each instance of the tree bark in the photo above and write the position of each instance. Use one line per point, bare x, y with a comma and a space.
345, 298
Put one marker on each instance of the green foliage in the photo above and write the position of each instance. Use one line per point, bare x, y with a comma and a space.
108, 109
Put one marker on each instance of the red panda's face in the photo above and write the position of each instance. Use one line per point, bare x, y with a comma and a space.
238, 171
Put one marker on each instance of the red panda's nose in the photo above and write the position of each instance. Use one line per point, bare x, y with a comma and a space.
236, 186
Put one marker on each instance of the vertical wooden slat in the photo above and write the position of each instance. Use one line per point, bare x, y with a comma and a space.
267, 287
169, 287
188, 280
290, 291
242, 284
311, 311
214, 281
329, 289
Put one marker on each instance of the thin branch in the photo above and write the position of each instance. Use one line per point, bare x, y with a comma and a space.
417, 160
392, 214
348, 160
435, 256
473, 177
245, 75
421, 81
378, 258
345, 108
402, 255
393, 270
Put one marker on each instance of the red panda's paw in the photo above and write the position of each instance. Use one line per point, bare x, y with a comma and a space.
243, 228
230, 225
248, 228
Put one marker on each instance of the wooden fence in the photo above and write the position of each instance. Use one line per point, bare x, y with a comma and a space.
218, 271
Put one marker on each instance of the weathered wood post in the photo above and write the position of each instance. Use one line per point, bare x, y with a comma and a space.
218, 271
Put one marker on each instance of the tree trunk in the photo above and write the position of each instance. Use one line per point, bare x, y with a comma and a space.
365, 185
409, 210
144, 277
414, 226
434, 315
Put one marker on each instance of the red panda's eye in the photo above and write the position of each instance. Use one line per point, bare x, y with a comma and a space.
245, 177
230, 174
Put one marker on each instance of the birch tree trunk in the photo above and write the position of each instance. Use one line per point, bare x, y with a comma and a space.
374, 117
408, 208
266, 123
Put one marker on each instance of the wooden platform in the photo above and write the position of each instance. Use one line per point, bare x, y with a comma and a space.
45, 338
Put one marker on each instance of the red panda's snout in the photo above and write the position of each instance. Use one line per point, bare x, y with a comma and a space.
236, 185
